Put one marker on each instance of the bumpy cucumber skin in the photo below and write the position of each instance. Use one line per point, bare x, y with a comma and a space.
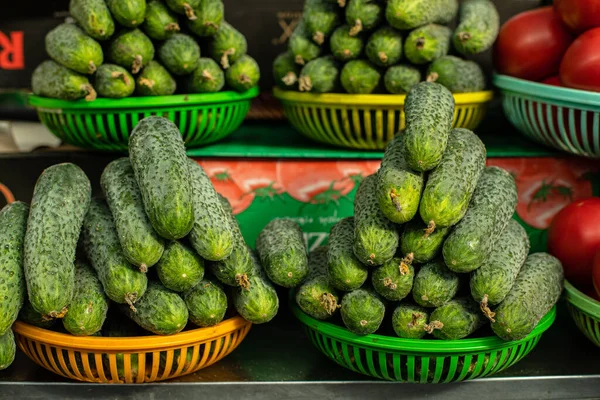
160, 22
8, 349
457, 75
228, 45
157, 155
129, 13
316, 296
243, 75
89, 306
207, 78
450, 187
384, 47
497, 275
155, 80
180, 268
209, 15
131, 49
320, 76
478, 28
344, 46
68, 45
435, 284
285, 71
398, 187
428, 43
460, 318
410, 14
94, 16
345, 271
393, 280
179, 54
13, 224
121, 281
183, 6
375, 237
492, 205
400, 79
429, 110
114, 81
360, 77
60, 201
282, 252
409, 321
212, 235
206, 303
160, 311
321, 18
32, 317
362, 311
302, 46
535, 292
141, 245
364, 15
422, 246
50, 79
257, 304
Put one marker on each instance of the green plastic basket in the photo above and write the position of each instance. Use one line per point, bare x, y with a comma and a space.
585, 311
105, 124
418, 360
566, 119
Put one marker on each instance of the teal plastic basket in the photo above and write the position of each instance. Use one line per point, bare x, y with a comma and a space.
585, 312
566, 119
105, 124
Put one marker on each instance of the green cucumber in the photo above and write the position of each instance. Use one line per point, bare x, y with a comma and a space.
179, 54
316, 296
398, 187
94, 17
120, 326
435, 284
114, 82
450, 187
375, 237
409, 321
129, 13
457, 75
32, 317
345, 271
285, 71
60, 201
89, 306
228, 45
68, 45
207, 78
50, 79
301, 45
141, 245
344, 46
121, 281
411, 14
422, 247
427, 43
455, 320
243, 75
360, 77
492, 205
478, 28
131, 49
180, 268
362, 311
161, 168
364, 15
155, 80
400, 79
384, 47
320, 75
206, 303
209, 15
8, 349
535, 292
321, 18
257, 302
184, 7
160, 22
394, 279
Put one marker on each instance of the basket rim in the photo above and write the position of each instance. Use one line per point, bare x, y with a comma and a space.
144, 101
129, 344
371, 99
582, 301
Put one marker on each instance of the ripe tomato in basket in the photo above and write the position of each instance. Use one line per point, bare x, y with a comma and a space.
579, 15
580, 68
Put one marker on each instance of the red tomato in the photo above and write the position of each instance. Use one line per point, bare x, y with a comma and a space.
554, 81
596, 275
580, 68
531, 45
579, 15
574, 238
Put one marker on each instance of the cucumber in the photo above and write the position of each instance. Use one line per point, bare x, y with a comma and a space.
394, 279
131, 49
535, 292
398, 187
180, 268
457, 75
179, 54
207, 78
155, 80
94, 17
435, 285
32, 317
364, 15
320, 76
89, 305
384, 47
302, 46
422, 246
160, 22
160, 165
228, 45
114, 82
375, 237
360, 77
286, 71
243, 75
455, 320
120, 326
344, 46
409, 321
129, 13
184, 7
492, 205
121, 281
362, 311
8, 349
411, 14
209, 15
491, 283
50, 79
141, 245
206, 303
60, 201
160, 311
400, 79
317, 297
427, 43
321, 18
345, 271
13, 223
69, 46
258, 302
282, 251
478, 28
450, 187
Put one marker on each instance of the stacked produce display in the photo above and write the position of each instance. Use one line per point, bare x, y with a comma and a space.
118, 49
370, 46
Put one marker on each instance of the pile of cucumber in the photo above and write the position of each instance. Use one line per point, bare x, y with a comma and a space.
122, 48
160, 248
376, 46
432, 242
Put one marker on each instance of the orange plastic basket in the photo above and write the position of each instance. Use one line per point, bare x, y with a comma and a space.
130, 360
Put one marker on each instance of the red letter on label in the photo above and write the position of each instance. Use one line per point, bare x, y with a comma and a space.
11, 51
